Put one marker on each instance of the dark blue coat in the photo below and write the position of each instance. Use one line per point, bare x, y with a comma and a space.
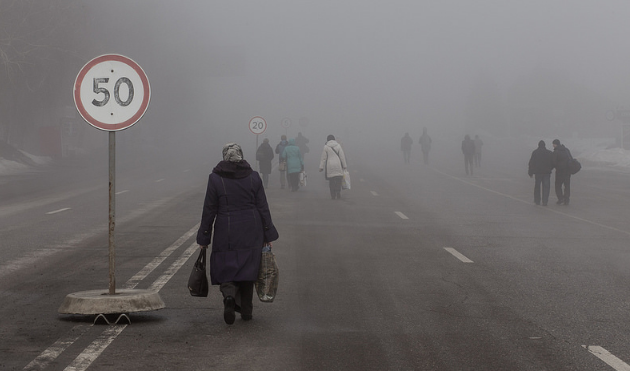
236, 205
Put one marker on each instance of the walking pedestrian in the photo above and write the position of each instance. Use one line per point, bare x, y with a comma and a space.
282, 163
295, 165
405, 146
540, 166
425, 145
235, 208
468, 148
333, 162
561, 157
478, 144
264, 155
301, 142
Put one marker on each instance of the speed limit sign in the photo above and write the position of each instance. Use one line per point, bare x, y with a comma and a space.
257, 125
111, 92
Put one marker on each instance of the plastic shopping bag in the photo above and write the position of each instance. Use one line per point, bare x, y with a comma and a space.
268, 275
345, 183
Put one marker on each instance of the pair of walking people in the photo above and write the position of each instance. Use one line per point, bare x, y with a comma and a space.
541, 163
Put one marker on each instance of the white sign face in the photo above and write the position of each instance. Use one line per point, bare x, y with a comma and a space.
286, 123
111, 92
257, 125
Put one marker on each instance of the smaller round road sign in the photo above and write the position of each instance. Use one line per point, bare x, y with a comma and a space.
257, 125
111, 92
286, 123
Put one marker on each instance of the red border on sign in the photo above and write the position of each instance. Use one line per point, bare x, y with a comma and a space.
101, 125
257, 117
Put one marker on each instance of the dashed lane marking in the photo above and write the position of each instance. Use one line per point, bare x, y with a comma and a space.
159, 180
374, 193
528, 203
121, 192
43, 360
401, 215
607, 357
85, 359
58, 211
458, 255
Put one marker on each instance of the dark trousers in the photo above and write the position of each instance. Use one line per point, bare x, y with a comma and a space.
543, 180
478, 159
265, 179
425, 156
468, 160
563, 179
242, 292
335, 186
406, 155
294, 181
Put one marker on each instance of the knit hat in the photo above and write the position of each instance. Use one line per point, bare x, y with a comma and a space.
232, 152
330, 137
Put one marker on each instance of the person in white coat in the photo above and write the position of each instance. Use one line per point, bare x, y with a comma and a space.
333, 162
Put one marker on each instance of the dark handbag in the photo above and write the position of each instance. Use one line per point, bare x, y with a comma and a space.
574, 166
198, 281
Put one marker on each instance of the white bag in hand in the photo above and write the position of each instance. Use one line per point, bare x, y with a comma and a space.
345, 183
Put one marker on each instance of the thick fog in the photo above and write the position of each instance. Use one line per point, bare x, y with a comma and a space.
366, 71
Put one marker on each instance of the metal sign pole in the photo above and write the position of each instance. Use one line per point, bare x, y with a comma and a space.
258, 163
112, 212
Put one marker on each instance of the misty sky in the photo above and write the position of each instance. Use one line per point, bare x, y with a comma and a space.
360, 63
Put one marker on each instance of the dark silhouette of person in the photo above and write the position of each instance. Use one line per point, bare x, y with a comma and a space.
540, 166
425, 145
264, 155
301, 142
405, 146
468, 148
561, 157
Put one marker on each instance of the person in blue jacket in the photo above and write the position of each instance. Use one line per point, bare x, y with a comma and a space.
236, 208
295, 164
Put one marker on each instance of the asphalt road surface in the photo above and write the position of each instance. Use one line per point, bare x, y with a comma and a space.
416, 268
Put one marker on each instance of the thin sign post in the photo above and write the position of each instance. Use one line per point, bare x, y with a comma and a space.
112, 93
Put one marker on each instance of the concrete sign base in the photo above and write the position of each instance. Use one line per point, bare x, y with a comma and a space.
100, 302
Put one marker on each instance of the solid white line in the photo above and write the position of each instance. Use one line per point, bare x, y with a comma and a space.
374, 193
401, 215
170, 272
607, 357
144, 272
46, 357
159, 180
58, 211
85, 359
527, 202
121, 192
458, 255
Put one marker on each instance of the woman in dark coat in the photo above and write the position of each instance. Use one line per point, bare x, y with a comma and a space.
236, 205
264, 155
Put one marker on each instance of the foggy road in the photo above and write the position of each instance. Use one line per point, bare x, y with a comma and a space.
417, 267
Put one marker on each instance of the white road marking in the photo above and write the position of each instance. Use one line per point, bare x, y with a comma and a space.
185, 171
121, 192
374, 193
58, 211
458, 255
144, 272
159, 180
607, 357
46, 357
85, 359
549, 209
170, 272
401, 215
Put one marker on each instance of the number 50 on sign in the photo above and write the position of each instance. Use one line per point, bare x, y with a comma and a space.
112, 92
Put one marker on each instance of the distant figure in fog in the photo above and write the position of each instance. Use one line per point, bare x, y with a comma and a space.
333, 163
425, 145
301, 142
540, 166
236, 208
282, 163
405, 146
468, 148
264, 155
295, 165
561, 157
478, 144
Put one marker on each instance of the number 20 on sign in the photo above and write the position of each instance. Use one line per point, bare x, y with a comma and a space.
257, 125
112, 92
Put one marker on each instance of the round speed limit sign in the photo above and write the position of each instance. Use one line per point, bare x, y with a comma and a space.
257, 125
111, 92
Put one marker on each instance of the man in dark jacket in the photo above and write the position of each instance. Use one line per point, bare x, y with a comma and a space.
561, 157
468, 148
540, 166
405, 146
264, 155
282, 163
